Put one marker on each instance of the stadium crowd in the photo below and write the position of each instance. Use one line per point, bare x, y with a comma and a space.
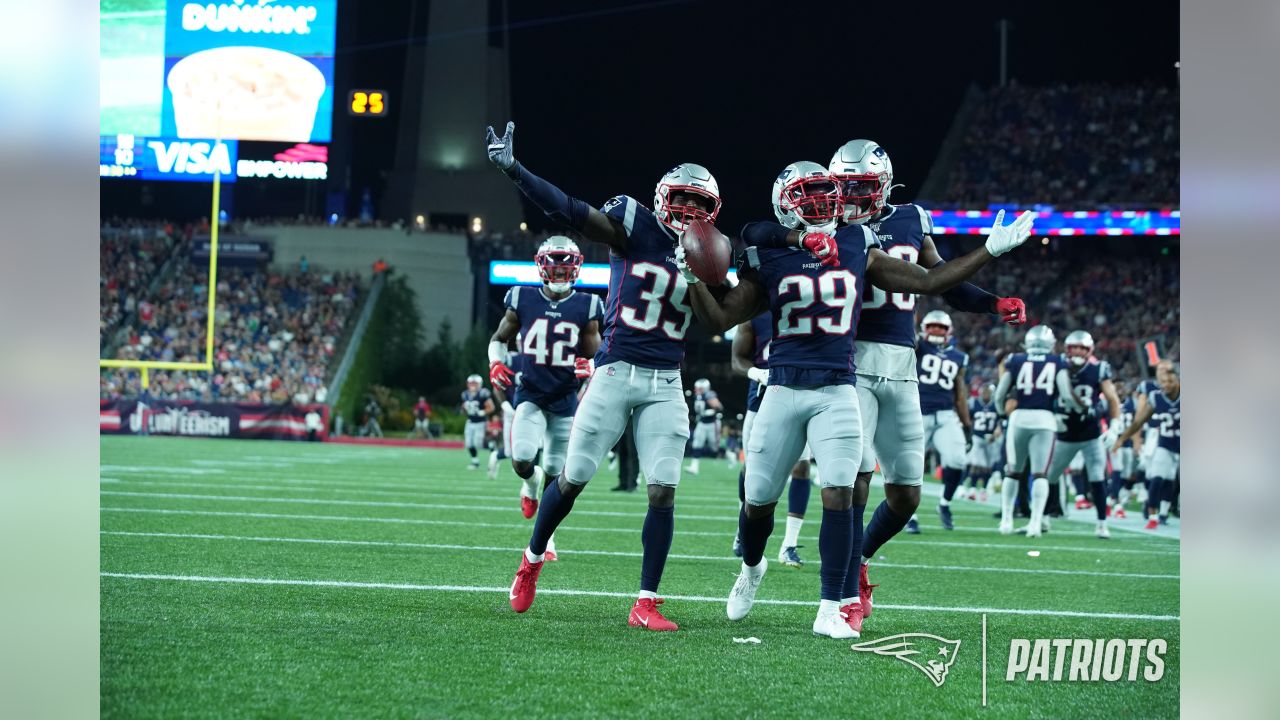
1074, 146
130, 254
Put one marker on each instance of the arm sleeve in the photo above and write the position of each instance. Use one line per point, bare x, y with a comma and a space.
550, 199
967, 297
765, 235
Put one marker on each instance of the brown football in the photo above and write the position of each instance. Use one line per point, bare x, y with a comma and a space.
707, 251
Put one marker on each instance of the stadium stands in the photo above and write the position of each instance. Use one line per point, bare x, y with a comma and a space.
130, 253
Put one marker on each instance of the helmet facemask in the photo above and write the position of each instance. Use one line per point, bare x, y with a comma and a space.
558, 268
937, 333
1078, 355
678, 214
863, 195
812, 200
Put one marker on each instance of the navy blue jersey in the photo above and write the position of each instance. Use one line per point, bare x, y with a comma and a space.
701, 406
646, 314
985, 418
891, 317
473, 404
1086, 384
1035, 384
762, 324
814, 309
548, 343
1145, 388
1128, 409
1167, 415
938, 369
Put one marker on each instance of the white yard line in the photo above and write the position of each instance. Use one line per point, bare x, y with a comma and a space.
612, 553
601, 593
526, 526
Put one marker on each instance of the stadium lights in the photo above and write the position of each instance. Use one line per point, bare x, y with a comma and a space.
477, 225
524, 227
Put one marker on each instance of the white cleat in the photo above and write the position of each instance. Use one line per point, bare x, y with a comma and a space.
1102, 531
833, 624
1031, 531
1006, 527
743, 594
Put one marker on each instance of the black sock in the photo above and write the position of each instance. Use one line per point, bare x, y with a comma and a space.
798, 496
884, 524
835, 541
553, 509
1099, 490
742, 485
473, 453
1155, 493
755, 534
524, 476
855, 555
1116, 484
951, 479
659, 526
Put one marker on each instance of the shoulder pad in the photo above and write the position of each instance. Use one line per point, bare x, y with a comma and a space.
512, 300
622, 208
926, 220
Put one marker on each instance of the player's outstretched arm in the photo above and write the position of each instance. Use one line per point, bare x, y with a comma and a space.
743, 359
1066, 393
894, 275
1140, 418
967, 297
551, 200
739, 305
1002, 391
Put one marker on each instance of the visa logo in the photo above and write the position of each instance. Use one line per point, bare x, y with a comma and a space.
191, 158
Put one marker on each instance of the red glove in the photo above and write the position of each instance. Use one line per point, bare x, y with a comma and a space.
500, 375
822, 246
1012, 310
583, 367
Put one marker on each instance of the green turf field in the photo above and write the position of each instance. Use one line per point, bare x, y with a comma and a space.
263, 579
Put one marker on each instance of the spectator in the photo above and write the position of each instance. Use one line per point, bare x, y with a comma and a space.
422, 418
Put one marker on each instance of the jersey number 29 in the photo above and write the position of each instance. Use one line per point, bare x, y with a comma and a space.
836, 289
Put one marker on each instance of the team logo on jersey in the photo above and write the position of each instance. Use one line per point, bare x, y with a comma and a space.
610, 371
936, 654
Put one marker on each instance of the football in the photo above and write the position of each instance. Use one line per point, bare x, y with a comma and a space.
707, 251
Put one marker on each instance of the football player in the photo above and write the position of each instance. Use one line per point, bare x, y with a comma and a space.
557, 331
637, 368
1123, 462
1144, 444
477, 405
944, 404
887, 380
1091, 380
1040, 383
814, 299
984, 455
1163, 405
706, 428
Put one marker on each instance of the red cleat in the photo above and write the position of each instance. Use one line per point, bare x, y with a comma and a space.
525, 586
645, 614
864, 591
853, 616
1117, 512
528, 506
1083, 504
1153, 523
550, 555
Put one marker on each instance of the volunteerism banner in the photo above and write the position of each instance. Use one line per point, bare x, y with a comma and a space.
192, 419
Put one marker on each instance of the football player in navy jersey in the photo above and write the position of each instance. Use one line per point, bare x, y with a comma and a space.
1091, 381
706, 427
1123, 462
1144, 444
557, 331
1163, 406
984, 454
814, 299
1040, 383
887, 382
477, 405
637, 368
944, 405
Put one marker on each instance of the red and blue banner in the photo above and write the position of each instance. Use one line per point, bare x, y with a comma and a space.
129, 416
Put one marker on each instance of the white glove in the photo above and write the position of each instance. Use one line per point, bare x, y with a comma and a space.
1109, 437
683, 267
507, 407
760, 375
1061, 420
1004, 238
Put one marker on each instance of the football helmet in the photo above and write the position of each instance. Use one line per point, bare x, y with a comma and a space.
473, 382
701, 385
804, 194
1078, 346
928, 327
865, 175
687, 178
559, 261
1039, 340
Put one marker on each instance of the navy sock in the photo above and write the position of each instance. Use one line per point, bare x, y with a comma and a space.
798, 496
1099, 490
1079, 482
855, 555
1116, 484
742, 485
885, 523
1155, 493
835, 541
659, 526
951, 479
755, 534
553, 509
473, 453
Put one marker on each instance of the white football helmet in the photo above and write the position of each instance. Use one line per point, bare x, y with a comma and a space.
1078, 346
932, 320
1040, 340
701, 385
865, 176
559, 261
688, 178
473, 382
804, 194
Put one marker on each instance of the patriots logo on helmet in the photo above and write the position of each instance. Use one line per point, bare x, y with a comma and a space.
908, 645
878, 151
786, 173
